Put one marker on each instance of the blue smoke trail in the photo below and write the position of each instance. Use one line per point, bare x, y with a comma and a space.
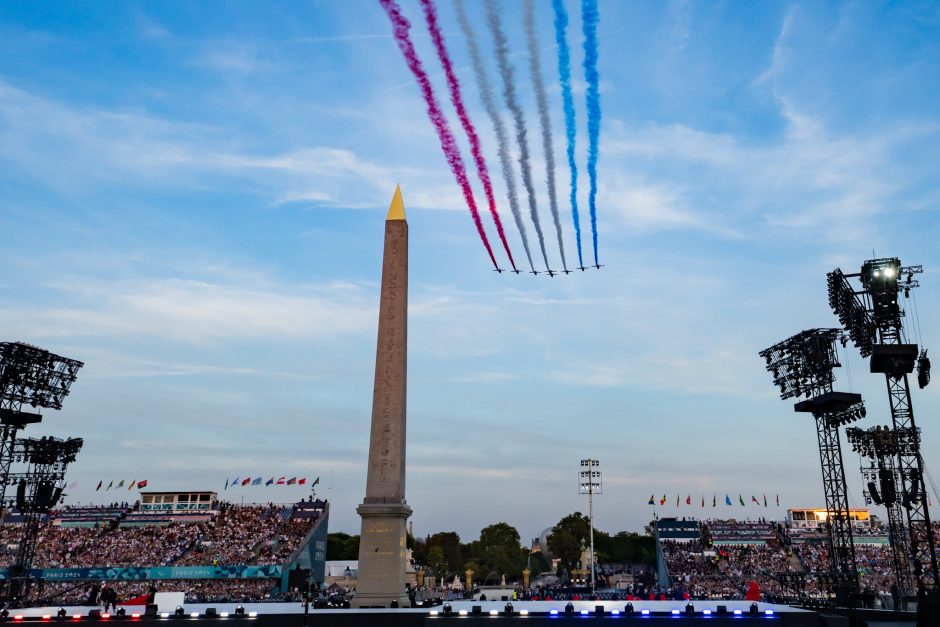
589, 26
564, 71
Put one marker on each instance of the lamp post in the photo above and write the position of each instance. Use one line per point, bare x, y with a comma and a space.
590, 483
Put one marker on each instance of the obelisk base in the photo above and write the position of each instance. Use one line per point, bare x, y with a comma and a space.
383, 552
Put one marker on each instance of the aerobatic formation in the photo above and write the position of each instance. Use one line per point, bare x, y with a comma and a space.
498, 37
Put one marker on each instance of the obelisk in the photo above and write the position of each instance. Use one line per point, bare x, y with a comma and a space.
384, 512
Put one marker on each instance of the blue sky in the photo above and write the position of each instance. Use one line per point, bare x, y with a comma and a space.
192, 200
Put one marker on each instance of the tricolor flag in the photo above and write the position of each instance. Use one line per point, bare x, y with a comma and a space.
100, 483
257, 481
727, 500
142, 484
651, 500
292, 481
662, 501
131, 486
688, 500
269, 481
246, 480
280, 481
754, 499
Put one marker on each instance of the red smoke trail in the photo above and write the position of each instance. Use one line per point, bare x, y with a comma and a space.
430, 17
448, 143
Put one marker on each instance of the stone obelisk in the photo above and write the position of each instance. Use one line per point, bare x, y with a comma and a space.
384, 512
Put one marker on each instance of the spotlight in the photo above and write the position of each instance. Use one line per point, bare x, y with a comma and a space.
394, 604
768, 612
706, 612
494, 612
690, 609
644, 612
675, 612
553, 612
194, 615
447, 609
598, 610
252, 614
569, 608
523, 612
239, 610
211, 612
508, 609
629, 609
753, 610
162, 615
121, 613
4, 614
738, 612
61, 613
584, 612
179, 613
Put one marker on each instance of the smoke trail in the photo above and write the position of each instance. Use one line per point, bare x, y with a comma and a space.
453, 85
545, 122
401, 27
589, 26
502, 141
564, 72
509, 92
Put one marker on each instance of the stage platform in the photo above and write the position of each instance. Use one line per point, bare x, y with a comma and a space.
533, 613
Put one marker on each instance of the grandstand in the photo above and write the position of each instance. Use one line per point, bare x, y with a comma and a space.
227, 552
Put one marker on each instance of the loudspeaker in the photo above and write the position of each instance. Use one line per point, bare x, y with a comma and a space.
211, 612
151, 609
297, 577
888, 492
21, 495
873, 493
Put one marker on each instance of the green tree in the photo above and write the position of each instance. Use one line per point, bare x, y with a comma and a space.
449, 542
500, 550
565, 539
342, 546
437, 563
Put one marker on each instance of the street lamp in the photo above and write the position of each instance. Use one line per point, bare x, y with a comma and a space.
590, 483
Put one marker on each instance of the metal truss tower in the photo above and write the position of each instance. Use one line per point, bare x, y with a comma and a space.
874, 321
802, 365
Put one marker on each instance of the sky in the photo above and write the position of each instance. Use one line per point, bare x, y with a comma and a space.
192, 198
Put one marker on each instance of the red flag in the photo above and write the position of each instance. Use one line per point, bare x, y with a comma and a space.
302, 481
142, 483
662, 501
246, 480
688, 500
703, 500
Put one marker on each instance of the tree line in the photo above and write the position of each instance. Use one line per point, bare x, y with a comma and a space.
499, 551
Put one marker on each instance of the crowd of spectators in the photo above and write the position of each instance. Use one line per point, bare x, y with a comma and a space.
195, 590
234, 536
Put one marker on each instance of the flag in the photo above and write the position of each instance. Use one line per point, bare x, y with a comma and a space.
234, 481
141, 484
246, 480
226, 483
651, 500
280, 481
754, 499
257, 481
740, 499
131, 486
703, 500
110, 485
765, 500
120, 485
302, 481
269, 481
727, 500
714, 497
778, 500
292, 481
316, 481
662, 501
677, 500
688, 500
99, 486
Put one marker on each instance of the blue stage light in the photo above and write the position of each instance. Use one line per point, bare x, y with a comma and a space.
706, 612
645, 612
675, 612
738, 612
584, 612
768, 612
553, 612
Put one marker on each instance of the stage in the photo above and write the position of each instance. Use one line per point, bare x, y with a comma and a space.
714, 613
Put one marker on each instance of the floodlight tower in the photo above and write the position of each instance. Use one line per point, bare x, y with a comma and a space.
879, 445
802, 366
28, 376
874, 320
38, 491
590, 482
